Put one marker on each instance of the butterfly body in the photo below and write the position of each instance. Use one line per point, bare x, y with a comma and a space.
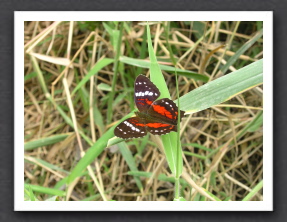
155, 116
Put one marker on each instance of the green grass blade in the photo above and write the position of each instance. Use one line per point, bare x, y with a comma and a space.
117, 48
39, 72
224, 88
169, 140
96, 149
96, 68
67, 118
253, 125
256, 123
99, 120
242, 49
29, 194
196, 145
83, 94
127, 155
46, 164
170, 69
187, 153
254, 191
45, 190
30, 76
161, 177
45, 141
166, 31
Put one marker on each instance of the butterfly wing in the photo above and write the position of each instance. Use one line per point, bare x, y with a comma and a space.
131, 128
157, 117
165, 110
145, 93
158, 128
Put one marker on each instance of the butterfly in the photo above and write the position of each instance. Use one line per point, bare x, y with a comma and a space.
155, 116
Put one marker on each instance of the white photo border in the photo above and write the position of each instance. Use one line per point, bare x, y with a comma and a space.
21, 205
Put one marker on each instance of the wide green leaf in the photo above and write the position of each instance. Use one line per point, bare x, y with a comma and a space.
223, 88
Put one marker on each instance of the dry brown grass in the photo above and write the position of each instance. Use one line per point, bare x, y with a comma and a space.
69, 50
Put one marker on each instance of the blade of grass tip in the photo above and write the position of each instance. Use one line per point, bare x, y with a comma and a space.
39, 74
257, 122
143, 51
161, 177
168, 45
187, 153
253, 125
72, 112
31, 193
169, 140
44, 164
96, 68
45, 141
91, 190
254, 191
84, 95
61, 183
30, 76
194, 185
196, 145
46, 190
116, 66
127, 155
97, 183
155, 72
99, 120
92, 198
240, 51
99, 52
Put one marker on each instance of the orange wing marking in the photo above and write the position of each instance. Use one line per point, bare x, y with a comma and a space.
157, 125
162, 111
146, 101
